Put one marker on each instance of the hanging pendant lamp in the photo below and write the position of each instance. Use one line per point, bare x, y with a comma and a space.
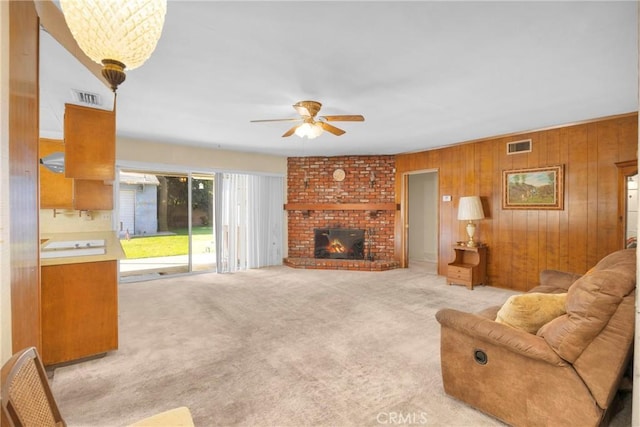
118, 34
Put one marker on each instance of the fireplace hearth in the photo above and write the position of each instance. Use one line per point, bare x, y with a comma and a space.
338, 243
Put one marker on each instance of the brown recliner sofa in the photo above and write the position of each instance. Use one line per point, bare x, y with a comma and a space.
566, 374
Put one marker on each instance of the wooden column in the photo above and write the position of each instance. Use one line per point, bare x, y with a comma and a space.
23, 175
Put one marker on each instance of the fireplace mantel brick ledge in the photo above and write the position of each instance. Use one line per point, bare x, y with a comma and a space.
341, 264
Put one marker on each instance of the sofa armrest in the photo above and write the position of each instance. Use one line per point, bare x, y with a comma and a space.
558, 280
487, 330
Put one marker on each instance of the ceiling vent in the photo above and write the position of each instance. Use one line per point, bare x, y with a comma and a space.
87, 98
517, 147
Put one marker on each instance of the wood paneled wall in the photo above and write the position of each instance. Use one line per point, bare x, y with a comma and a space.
23, 175
524, 242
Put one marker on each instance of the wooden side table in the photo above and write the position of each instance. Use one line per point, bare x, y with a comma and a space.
469, 267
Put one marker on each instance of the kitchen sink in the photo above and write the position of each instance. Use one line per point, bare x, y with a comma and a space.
71, 248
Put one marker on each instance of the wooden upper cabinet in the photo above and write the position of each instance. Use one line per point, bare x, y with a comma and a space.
92, 195
56, 191
60, 192
90, 140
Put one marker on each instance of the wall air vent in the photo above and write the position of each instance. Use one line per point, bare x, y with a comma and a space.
86, 98
517, 147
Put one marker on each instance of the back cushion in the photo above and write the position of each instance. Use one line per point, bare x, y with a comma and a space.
617, 260
591, 301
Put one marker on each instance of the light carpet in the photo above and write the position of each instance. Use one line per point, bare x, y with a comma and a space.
278, 347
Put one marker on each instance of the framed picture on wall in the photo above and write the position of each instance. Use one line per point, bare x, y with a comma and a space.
533, 188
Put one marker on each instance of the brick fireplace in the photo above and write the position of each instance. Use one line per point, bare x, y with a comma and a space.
341, 193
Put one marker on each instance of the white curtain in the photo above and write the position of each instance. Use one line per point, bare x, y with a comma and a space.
249, 221
264, 231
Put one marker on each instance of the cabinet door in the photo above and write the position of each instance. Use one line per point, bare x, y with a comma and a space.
79, 310
90, 140
56, 191
92, 195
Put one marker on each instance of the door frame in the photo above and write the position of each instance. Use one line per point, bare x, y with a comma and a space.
625, 169
404, 214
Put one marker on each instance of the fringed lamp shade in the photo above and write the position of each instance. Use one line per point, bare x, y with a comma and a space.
118, 34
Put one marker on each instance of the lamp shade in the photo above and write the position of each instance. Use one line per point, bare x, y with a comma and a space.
310, 130
470, 208
126, 31
115, 33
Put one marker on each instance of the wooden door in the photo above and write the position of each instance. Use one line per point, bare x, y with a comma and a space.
79, 310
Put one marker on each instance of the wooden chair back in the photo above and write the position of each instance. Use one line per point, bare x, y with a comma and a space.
27, 400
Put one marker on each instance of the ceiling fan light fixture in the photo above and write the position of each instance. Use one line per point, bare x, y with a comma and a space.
310, 130
116, 33
310, 127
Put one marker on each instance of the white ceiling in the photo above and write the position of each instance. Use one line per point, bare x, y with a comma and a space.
424, 74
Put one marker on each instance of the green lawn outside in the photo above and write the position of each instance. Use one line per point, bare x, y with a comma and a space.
175, 244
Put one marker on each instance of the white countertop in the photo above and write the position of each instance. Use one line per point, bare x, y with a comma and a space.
112, 244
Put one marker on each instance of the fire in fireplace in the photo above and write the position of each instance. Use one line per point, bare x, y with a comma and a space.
341, 243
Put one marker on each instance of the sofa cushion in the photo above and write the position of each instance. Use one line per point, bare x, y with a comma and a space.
619, 260
591, 301
555, 282
531, 311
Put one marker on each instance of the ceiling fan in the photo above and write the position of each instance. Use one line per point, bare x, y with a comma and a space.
313, 125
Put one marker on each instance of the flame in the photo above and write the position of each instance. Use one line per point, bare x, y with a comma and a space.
336, 247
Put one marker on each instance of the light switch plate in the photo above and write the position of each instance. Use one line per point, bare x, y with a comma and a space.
446, 198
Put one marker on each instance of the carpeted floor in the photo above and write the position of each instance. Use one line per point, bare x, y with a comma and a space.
278, 347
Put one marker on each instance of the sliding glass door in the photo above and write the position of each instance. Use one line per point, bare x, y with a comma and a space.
203, 239
165, 223
176, 223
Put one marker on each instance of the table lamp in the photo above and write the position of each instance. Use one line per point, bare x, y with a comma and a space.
470, 209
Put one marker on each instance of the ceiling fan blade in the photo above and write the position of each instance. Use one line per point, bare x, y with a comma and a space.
330, 128
344, 118
277, 120
289, 132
